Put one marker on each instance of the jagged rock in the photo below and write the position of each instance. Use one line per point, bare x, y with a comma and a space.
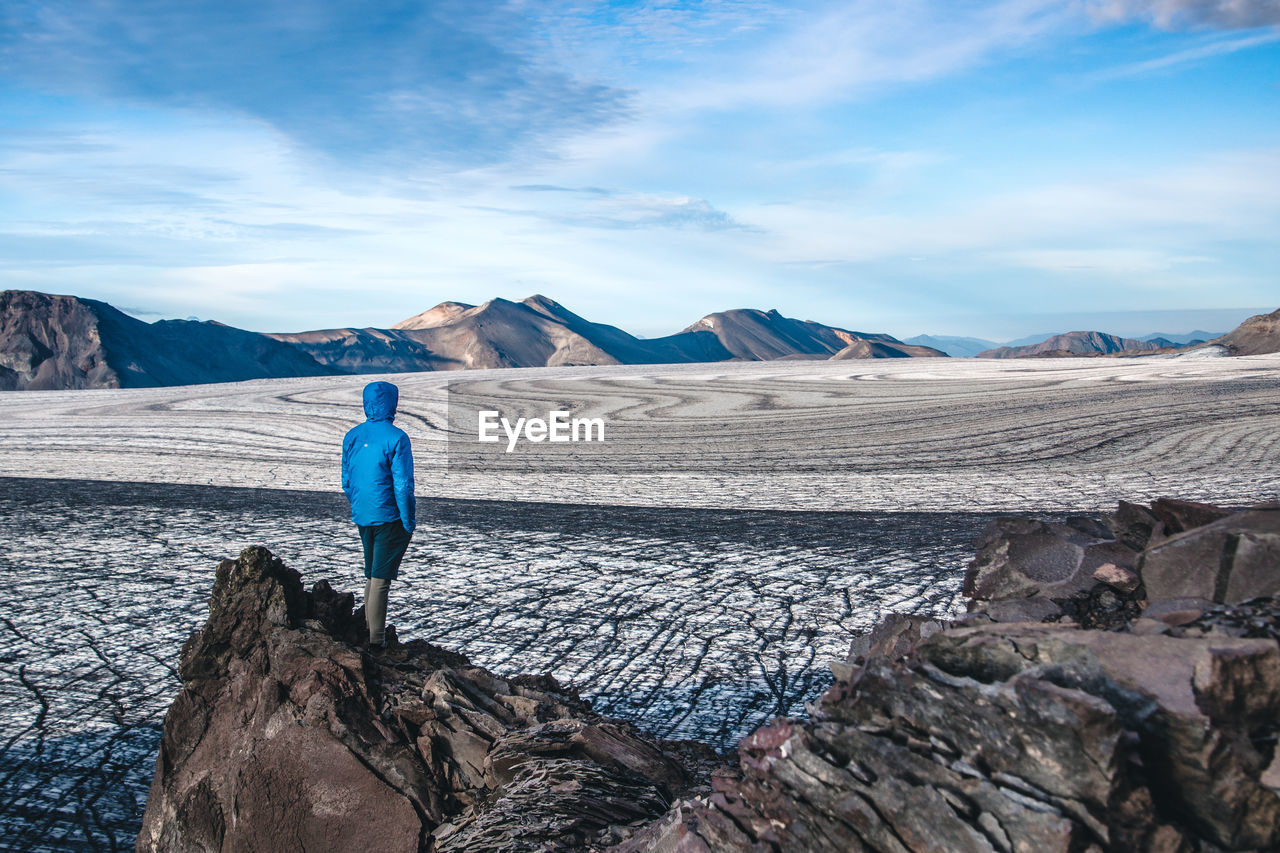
286, 737
1024, 737
1179, 516
1106, 727
1133, 525
893, 637
1227, 560
1118, 729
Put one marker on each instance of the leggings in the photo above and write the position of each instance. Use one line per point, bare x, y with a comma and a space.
375, 608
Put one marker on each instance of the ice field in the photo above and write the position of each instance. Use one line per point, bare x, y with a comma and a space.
694, 584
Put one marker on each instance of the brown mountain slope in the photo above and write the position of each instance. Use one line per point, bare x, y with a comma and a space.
767, 335
1255, 336
1073, 343
53, 342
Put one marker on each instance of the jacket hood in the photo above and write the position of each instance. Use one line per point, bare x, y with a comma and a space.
380, 399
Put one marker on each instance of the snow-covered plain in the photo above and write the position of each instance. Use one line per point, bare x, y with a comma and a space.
910, 434
774, 510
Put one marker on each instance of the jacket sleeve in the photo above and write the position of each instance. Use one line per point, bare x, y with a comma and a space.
402, 481
348, 442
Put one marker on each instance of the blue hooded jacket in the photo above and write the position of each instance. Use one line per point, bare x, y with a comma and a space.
377, 463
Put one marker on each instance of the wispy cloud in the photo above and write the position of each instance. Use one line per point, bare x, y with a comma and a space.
441, 81
850, 50
1179, 59
1177, 14
552, 188
1176, 215
631, 211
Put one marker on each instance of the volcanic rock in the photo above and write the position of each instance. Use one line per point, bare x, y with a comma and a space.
1227, 561
1133, 525
286, 737
1026, 737
1059, 715
1117, 577
1180, 516
1116, 729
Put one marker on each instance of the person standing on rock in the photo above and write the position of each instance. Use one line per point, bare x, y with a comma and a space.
377, 476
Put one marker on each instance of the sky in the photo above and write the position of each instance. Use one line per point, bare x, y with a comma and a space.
994, 169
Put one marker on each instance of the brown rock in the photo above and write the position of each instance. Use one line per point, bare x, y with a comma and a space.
893, 637
1012, 737
286, 738
1134, 526
1180, 516
1229, 560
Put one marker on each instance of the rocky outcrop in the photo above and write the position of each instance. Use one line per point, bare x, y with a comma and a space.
1005, 732
286, 736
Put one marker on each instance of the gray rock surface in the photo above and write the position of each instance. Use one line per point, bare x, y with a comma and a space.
1027, 737
1021, 558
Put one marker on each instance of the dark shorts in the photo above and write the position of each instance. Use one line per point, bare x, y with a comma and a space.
384, 547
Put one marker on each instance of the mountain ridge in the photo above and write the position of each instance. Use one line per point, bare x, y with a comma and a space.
66, 342
1075, 344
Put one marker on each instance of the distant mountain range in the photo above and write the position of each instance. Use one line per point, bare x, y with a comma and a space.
53, 342
1073, 344
954, 346
1094, 343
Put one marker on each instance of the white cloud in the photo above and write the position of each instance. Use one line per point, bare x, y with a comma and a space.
852, 49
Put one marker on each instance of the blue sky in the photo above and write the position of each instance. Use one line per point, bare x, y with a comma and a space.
993, 169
